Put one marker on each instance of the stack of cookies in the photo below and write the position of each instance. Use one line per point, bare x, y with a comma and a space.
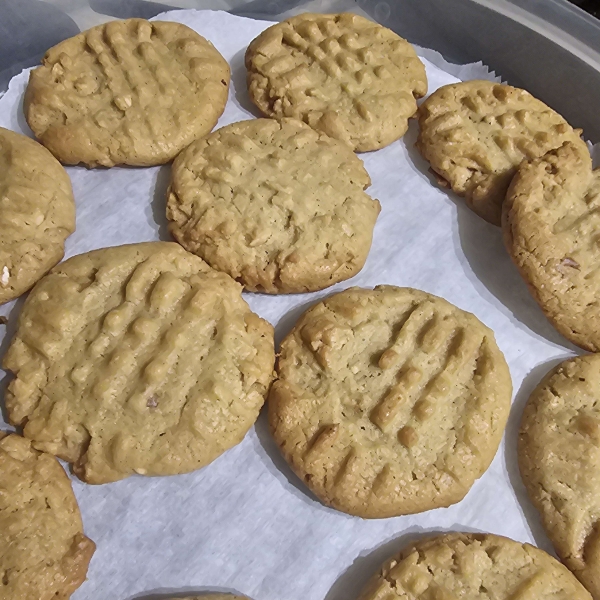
145, 359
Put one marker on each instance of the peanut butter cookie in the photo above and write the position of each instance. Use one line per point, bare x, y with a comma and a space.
476, 133
43, 552
559, 454
478, 566
128, 92
342, 74
551, 231
37, 213
275, 204
137, 359
389, 401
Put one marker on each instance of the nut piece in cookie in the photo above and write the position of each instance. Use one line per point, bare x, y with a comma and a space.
551, 230
137, 359
476, 133
276, 205
128, 92
559, 454
44, 554
342, 74
37, 213
473, 566
389, 401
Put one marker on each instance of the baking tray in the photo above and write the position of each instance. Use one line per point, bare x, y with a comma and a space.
463, 31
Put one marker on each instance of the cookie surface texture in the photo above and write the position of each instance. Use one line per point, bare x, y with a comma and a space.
389, 401
128, 92
275, 204
559, 454
137, 359
476, 133
342, 74
550, 229
474, 567
37, 213
44, 554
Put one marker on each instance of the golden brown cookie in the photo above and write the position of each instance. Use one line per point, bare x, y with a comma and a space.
137, 359
275, 204
342, 74
473, 566
37, 213
559, 458
551, 230
476, 133
389, 401
43, 552
128, 92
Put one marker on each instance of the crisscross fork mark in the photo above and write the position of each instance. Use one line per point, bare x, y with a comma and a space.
571, 224
148, 347
461, 354
107, 57
461, 361
348, 471
538, 585
151, 72
405, 353
314, 51
156, 61
322, 443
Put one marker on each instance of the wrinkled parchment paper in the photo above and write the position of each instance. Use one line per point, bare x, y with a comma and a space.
245, 523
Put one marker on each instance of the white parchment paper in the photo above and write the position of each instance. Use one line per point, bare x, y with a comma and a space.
245, 523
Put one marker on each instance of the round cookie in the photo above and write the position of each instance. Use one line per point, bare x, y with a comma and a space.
37, 213
137, 359
275, 204
473, 566
342, 74
559, 454
389, 401
44, 554
476, 133
128, 92
550, 228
